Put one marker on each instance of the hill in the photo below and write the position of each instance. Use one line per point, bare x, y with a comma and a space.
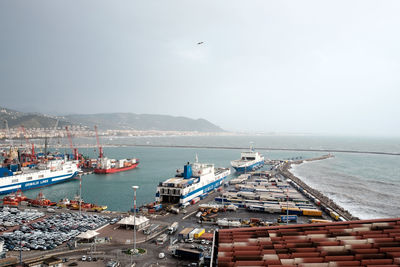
28, 120
131, 121
107, 121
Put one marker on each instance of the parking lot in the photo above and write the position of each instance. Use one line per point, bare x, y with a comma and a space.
47, 233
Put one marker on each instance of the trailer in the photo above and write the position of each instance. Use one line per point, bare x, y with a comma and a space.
188, 254
184, 234
290, 218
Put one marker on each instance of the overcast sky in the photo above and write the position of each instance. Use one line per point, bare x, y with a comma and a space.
273, 66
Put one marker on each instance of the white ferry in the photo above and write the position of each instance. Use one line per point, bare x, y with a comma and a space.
195, 180
249, 161
51, 172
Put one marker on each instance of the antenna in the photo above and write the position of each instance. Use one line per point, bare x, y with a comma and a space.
251, 146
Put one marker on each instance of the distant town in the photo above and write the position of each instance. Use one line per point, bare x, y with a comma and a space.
83, 131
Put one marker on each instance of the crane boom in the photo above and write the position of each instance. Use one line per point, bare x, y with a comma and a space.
98, 143
74, 150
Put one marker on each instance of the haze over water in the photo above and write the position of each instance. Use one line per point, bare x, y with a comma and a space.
367, 185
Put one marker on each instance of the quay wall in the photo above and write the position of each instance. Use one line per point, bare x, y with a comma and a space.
325, 201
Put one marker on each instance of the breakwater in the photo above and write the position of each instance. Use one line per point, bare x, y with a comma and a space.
270, 148
325, 201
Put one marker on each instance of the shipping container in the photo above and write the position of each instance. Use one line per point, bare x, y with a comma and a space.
312, 212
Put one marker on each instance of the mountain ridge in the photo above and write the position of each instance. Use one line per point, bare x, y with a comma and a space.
108, 121
134, 121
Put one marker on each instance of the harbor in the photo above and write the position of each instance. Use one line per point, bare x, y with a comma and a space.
182, 232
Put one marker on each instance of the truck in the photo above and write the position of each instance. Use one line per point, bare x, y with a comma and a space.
175, 210
195, 200
184, 234
161, 239
149, 230
157, 207
173, 227
285, 218
185, 205
188, 254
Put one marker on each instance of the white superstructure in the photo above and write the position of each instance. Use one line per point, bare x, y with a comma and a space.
194, 181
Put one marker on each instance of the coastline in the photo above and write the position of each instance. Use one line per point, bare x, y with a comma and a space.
325, 201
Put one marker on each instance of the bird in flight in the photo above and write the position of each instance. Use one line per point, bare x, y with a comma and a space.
199, 43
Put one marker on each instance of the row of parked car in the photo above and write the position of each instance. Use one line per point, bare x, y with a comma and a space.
10, 217
52, 231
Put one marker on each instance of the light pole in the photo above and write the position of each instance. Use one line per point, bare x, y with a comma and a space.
80, 195
287, 206
134, 217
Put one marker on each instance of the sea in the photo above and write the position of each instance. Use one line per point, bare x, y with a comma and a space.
367, 185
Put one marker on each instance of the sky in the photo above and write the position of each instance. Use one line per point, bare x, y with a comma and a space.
323, 67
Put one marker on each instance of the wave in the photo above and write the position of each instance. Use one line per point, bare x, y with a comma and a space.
364, 197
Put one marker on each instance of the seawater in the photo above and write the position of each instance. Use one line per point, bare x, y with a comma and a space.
365, 184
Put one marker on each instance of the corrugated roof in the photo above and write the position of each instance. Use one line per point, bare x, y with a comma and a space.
353, 243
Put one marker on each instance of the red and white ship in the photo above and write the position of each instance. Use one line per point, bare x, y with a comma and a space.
106, 165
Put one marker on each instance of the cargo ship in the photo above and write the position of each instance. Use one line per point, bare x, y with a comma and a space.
105, 165
13, 177
194, 181
249, 161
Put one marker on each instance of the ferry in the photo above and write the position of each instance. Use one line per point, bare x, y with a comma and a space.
249, 161
13, 177
195, 180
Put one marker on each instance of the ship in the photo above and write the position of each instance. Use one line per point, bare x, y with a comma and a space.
249, 161
194, 181
14, 177
105, 165
41, 201
74, 205
14, 198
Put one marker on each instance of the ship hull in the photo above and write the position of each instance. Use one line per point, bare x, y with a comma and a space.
37, 183
114, 170
202, 190
250, 167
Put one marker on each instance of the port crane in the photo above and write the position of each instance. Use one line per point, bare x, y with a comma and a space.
98, 143
32, 155
74, 149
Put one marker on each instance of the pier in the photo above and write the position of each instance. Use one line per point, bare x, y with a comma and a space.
325, 201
